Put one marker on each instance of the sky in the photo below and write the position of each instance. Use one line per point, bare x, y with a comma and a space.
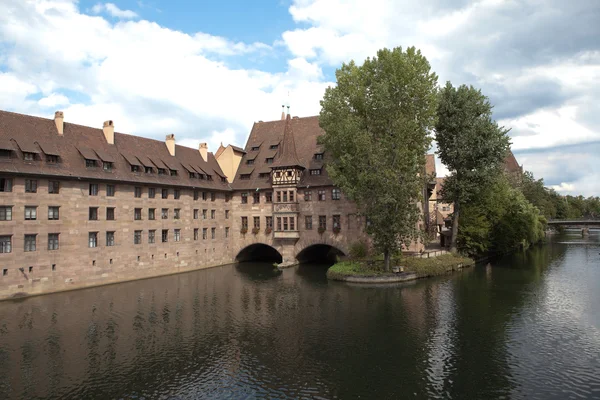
206, 70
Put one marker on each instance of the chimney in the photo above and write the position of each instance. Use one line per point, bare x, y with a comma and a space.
203, 151
282, 112
109, 132
170, 142
59, 119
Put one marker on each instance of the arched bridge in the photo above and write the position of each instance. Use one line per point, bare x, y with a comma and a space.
584, 224
322, 251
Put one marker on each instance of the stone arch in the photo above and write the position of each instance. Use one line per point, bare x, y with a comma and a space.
259, 252
319, 252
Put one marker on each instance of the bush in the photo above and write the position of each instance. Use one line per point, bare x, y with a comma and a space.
255, 231
358, 250
244, 230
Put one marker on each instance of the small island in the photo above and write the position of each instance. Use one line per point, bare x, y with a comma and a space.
372, 270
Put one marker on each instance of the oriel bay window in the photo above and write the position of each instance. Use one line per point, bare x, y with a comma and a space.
285, 196
278, 223
291, 196
278, 196
285, 223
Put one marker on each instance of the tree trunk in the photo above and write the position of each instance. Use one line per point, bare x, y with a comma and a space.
453, 248
386, 260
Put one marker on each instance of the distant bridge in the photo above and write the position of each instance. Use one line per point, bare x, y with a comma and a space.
584, 224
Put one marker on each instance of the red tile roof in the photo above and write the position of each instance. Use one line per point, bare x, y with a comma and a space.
30, 130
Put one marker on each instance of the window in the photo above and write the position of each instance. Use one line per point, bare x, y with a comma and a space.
177, 234
137, 214
110, 190
321, 195
204, 233
93, 239
256, 197
135, 168
5, 184
177, 213
138, 192
53, 241
90, 163
137, 237
6, 213
30, 242
203, 196
274, 146
164, 213
308, 222
177, 194
165, 235
196, 230
226, 232
213, 196
110, 213
285, 223
5, 244
315, 172
227, 197
108, 166
337, 222
291, 196
269, 222
268, 197
264, 175
165, 193
223, 179
289, 173
162, 171
213, 233
278, 223
196, 195
257, 222
152, 214
308, 195
5, 153
151, 193
152, 236
148, 170
52, 159
204, 214
285, 196
292, 224
245, 177
255, 148
213, 214
93, 189
226, 214
30, 213
244, 198
53, 187
319, 156
28, 156
53, 212
173, 172
110, 238
279, 197
322, 222
249, 162
245, 222
196, 213
30, 185
336, 194
269, 160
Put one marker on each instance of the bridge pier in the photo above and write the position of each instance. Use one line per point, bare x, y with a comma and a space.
585, 232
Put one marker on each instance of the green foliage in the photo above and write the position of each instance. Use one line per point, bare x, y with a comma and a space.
359, 249
376, 122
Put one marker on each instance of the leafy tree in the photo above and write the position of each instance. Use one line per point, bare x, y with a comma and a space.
376, 122
470, 144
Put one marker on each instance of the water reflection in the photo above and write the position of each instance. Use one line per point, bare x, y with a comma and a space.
525, 327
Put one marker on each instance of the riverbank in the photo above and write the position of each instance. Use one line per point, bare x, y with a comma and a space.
371, 271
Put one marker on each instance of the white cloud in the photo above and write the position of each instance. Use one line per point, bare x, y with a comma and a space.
113, 11
564, 187
54, 100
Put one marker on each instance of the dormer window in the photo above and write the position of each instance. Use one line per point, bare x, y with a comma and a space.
269, 160
249, 162
173, 172
289, 173
274, 147
52, 159
90, 163
202, 177
278, 174
319, 156
135, 168
255, 148
224, 180
162, 171
148, 170
264, 175
315, 172
4, 154
209, 177
28, 156
108, 166
245, 176
193, 175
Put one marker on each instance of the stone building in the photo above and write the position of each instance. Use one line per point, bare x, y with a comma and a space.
82, 206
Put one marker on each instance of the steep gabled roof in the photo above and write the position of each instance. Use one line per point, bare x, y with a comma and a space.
77, 138
287, 156
510, 163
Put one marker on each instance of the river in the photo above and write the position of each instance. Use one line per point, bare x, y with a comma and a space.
526, 326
